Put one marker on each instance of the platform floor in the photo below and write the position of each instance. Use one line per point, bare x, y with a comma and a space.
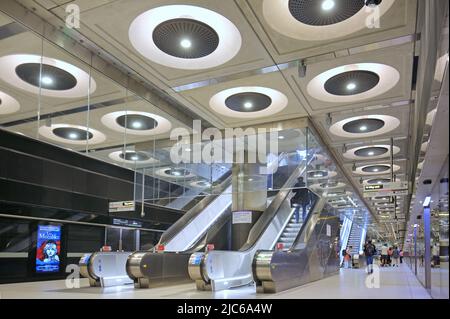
394, 283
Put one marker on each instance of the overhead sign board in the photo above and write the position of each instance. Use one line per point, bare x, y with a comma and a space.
242, 217
386, 189
125, 206
126, 222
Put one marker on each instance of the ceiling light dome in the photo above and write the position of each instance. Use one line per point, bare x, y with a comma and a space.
175, 172
8, 104
370, 151
378, 181
136, 123
353, 82
376, 169
364, 126
53, 78
185, 37
200, 184
318, 20
248, 102
132, 157
72, 134
324, 12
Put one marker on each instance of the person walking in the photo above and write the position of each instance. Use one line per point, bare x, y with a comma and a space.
300, 199
390, 251
401, 256
435, 252
369, 252
384, 255
348, 257
395, 257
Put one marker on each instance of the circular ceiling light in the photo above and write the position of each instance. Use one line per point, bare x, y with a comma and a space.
200, 184
375, 169
53, 78
353, 82
72, 134
377, 181
185, 37
8, 104
337, 194
175, 172
248, 102
364, 126
370, 151
132, 157
318, 20
321, 174
136, 123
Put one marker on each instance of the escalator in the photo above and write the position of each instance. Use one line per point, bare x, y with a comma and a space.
184, 238
198, 226
313, 255
217, 270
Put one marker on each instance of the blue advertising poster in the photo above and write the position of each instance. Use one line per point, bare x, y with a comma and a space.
48, 248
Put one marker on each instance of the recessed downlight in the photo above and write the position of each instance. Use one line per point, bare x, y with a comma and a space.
371, 151
185, 37
132, 157
375, 169
248, 102
51, 78
365, 126
46, 76
136, 122
72, 134
318, 20
378, 181
175, 172
353, 82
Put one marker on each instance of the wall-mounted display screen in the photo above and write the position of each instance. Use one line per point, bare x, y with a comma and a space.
48, 248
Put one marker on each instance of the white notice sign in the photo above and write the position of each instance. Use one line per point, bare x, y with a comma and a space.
242, 217
328, 230
126, 206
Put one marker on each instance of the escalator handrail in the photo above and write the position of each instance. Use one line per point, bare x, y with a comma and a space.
191, 214
264, 221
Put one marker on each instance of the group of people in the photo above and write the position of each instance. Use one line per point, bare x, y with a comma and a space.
391, 256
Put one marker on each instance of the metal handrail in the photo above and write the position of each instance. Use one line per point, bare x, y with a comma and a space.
191, 214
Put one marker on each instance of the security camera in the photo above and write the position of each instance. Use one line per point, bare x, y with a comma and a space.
373, 3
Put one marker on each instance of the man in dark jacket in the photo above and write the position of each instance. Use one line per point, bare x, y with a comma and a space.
369, 252
300, 199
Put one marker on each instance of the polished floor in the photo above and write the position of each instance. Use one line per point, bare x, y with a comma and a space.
388, 283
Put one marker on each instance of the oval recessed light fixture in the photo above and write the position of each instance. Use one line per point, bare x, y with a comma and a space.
185, 37
200, 184
8, 104
371, 151
320, 174
53, 78
136, 122
132, 157
248, 102
72, 134
353, 82
175, 172
365, 126
375, 169
318, 20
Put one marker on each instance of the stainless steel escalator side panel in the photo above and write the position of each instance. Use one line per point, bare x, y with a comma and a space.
227, 269
192, 214
318, 258
106, 269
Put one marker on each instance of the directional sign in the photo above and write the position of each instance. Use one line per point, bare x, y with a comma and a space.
386, 189
125, 206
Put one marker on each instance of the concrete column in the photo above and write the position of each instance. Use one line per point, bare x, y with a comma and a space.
249, 200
